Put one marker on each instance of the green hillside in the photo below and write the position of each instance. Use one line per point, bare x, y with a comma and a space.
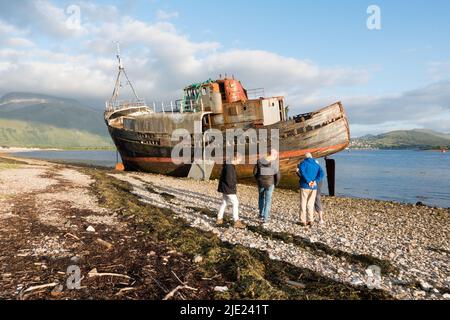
405, 139
36, 120
434, 133
15, 133
60, 115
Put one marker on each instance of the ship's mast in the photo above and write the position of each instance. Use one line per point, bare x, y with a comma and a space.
115, 94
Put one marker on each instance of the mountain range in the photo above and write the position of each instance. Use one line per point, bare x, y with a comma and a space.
36, 120
404, 139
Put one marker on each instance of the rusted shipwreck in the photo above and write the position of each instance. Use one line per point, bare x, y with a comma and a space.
142, 132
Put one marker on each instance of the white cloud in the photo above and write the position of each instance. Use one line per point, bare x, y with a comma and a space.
11, 36
439, 70
161, 61
58, 21
165, 15
42, 17
279, 73
19, 42
6, 28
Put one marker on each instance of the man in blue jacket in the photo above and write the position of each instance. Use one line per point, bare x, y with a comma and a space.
310, 175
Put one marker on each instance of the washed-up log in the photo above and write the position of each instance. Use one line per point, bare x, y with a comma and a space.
43, 286
94, 273
172, 293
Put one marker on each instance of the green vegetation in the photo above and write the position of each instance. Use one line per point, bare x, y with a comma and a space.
6, 163
249, 273
404, 139
37, 135
35, 120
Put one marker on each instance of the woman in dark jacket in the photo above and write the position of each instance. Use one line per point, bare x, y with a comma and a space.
228, 188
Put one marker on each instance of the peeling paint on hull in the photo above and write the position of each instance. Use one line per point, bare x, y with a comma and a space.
324, 133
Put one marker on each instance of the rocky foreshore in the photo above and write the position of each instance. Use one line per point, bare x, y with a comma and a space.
412, 242
408, 244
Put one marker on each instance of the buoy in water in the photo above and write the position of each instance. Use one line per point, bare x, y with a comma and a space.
120, 166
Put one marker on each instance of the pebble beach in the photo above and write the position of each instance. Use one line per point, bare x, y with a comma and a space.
414, 239
408, 244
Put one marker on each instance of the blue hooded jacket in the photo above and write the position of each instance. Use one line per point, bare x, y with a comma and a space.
310, 170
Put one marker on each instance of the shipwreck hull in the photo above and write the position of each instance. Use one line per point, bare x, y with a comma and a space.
321, 133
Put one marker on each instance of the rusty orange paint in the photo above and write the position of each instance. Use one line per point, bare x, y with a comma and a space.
298, 153
120, 167
234, 91
148, 159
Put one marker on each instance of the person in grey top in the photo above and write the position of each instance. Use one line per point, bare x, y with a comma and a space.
267, 174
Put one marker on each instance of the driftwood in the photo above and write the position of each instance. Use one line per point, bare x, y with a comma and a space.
124, 290
296, 284
172, 293
183, 283
104, 243
94, 273
73, 236
181, 287
43, 286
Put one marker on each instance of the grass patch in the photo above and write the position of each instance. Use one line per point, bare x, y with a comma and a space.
249, 273
6, 166
6, 163
11, 161
41, 135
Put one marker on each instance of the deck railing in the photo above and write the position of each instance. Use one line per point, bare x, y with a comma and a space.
256, 93
182, 105
123, 104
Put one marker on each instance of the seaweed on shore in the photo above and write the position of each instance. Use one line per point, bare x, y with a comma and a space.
249, 273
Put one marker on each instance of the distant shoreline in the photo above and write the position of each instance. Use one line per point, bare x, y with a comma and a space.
23, 149
396, 149
5, 149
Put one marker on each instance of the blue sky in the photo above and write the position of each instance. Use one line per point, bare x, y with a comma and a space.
330, 33
313, 52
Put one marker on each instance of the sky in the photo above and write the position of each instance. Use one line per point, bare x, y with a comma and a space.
390, 67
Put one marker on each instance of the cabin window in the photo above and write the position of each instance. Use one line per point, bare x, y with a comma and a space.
280, 107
